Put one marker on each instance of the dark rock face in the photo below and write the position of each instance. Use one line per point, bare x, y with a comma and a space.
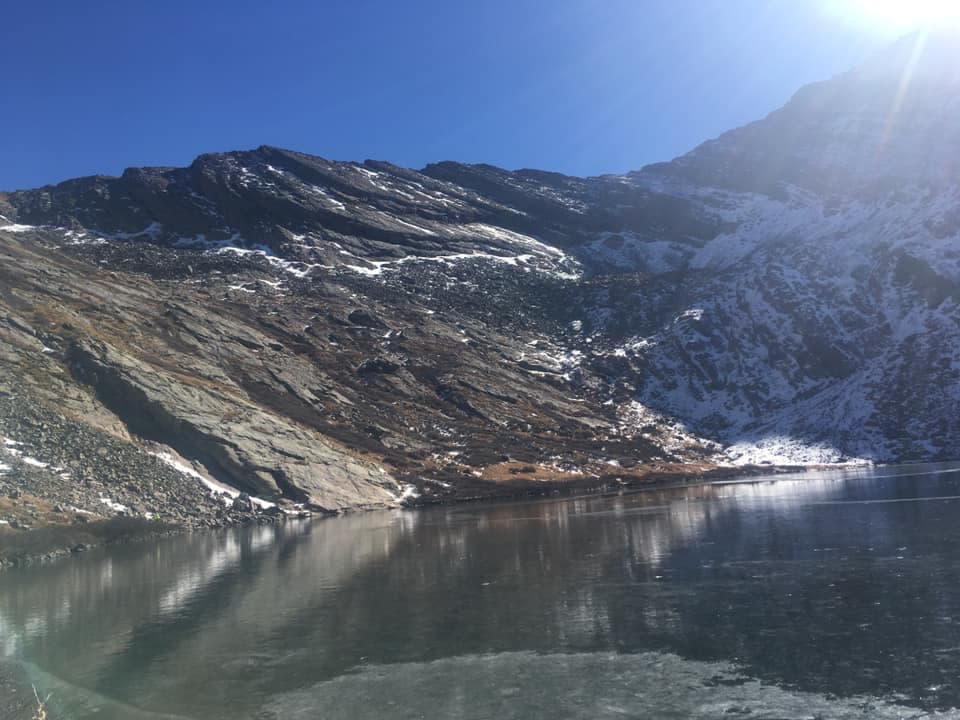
242, 503
347, 334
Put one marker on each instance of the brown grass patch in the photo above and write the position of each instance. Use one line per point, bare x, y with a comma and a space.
516, 471
33, 511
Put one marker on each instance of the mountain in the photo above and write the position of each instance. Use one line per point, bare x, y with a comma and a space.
360, 335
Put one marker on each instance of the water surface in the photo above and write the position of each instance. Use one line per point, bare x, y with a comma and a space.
837, 594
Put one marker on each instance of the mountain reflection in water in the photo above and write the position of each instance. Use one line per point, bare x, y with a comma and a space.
838, 583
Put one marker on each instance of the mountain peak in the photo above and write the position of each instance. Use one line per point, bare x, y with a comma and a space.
921, 69
891, 119
927, 53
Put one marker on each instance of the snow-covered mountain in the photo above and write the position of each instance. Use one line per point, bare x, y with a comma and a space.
800, 274
787, 292
827, 309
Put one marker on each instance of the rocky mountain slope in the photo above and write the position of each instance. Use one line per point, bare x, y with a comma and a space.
360, 335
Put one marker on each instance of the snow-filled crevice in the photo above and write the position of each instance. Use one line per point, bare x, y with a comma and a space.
154, 422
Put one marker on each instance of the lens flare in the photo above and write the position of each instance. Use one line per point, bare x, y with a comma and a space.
901, 14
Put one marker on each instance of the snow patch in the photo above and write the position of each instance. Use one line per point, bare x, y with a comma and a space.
217, 489
12, 447
236, 245
380, 265
115, 506
784, 450
17, 228
407, 492
491, 232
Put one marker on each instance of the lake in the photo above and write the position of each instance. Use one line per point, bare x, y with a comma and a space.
830, 595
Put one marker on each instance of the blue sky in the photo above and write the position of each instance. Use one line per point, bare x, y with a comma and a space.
577, 86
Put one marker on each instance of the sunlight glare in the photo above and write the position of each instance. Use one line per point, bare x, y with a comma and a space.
902, 15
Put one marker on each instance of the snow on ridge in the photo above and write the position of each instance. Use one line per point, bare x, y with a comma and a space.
372, 176
82, 237
527, 261
416, 228
315, 190
492, 232
326, 196
381, 265
237, 245
17, 228
97, 237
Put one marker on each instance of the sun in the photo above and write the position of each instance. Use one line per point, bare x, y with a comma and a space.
902, 15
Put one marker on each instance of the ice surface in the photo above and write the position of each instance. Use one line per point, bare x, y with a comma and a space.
558, 686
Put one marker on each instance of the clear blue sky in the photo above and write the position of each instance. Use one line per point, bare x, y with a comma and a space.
578, 86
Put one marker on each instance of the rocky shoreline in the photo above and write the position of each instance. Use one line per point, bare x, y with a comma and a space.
41, 545
58, 539
66, 486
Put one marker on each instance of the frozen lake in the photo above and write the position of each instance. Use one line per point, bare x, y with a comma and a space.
834, 595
